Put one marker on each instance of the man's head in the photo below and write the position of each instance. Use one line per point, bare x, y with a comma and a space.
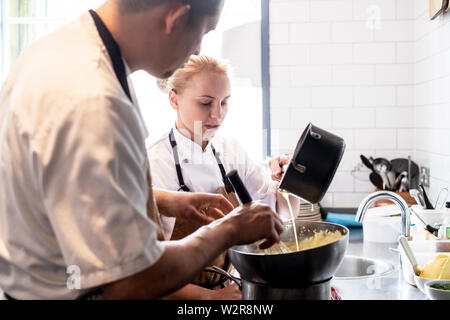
163, 34
199, 8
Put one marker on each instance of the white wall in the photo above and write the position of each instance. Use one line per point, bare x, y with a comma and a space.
347, 66
432, 94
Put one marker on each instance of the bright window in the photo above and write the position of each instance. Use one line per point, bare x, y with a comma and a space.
236, 40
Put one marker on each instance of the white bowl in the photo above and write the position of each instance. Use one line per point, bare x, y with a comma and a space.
437, 294
420, 283
424, 251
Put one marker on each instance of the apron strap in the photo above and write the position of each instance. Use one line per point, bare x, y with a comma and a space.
228, 186
173, 143
114, 52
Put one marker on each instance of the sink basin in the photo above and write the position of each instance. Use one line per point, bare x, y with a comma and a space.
354, 267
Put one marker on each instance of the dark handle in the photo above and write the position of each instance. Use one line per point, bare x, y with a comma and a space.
366, 162
239, 187
425, 198
217, 270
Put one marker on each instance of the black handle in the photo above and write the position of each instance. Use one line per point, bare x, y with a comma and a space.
239, 187
425, 198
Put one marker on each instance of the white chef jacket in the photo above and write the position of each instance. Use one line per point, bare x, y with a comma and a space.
201, 172
73, 184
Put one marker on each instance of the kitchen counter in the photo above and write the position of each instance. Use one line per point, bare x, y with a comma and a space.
388, 287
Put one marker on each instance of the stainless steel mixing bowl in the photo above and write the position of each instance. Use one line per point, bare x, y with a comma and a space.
294, 269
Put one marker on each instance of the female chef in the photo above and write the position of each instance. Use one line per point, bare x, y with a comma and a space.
191, 158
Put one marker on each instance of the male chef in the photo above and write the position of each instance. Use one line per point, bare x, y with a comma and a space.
78, 214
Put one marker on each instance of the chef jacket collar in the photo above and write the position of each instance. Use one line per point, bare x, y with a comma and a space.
192, 151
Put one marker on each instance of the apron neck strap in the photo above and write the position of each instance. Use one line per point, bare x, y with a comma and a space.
173, 143
228, 186
113, 51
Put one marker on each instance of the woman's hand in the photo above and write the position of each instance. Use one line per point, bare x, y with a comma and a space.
276, 166
200, 208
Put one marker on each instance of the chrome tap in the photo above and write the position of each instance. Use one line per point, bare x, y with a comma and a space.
371, 198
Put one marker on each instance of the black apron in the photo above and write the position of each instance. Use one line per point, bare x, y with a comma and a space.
228, 186
183, 227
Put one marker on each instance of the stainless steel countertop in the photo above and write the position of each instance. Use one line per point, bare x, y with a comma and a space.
389, 287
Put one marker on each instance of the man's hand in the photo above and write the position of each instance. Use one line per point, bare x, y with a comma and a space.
276, 166
252, 222
230, 292
200, 208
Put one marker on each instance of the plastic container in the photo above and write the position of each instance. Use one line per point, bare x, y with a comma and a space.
414, 233
444, 230
382, 229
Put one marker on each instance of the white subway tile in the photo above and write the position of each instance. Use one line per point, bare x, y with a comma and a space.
279, 33
420, 8
289, 55
400, 74
395, 117
405, 52
374, 10
354, 75
405, 96
351, 32
395, 31
348, 200
364, 185
327, 201
290, 97
293, 11
331, 10
332, 97
371, 53
405, 139
375, 96
353, 118
284, 140
342, 182
376, 139
318, 116
280, 77
310, 33
405, 9
312, 76
331, 54
280, 118
351, 160
348, 136
394, 154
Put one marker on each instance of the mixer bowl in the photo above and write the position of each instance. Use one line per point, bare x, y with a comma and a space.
294, 269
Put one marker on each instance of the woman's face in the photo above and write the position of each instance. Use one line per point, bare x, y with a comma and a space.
203, 105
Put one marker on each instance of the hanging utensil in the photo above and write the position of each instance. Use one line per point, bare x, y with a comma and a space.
391, 177
398, 180
382, 166
376, 180
403, 185
428, 204
366, 162
399, 165
418, 197
436, 206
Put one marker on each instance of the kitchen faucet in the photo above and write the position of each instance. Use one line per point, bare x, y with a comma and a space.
371, 198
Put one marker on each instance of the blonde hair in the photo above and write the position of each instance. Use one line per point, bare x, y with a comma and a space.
196, 64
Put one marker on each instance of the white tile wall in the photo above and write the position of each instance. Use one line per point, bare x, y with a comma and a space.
348, 66
432, 95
